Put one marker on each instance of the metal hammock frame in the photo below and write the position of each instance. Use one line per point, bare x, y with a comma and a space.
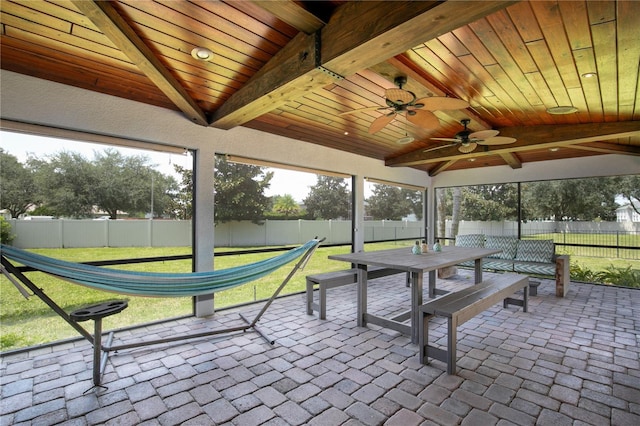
11, 271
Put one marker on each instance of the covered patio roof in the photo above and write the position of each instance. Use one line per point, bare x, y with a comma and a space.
294, 68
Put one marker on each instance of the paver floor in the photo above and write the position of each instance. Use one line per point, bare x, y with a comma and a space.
568, 361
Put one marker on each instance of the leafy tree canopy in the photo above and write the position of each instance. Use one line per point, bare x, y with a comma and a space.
392, 203
69, 185
329, 198
181, 206
17, 185
285, 205
490, 202
239, 191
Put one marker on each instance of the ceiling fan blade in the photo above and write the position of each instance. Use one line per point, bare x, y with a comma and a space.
441, 103
497, 140
376, 108
423, 118
440, 147
446, 139
484, 134
381, 121
467, 148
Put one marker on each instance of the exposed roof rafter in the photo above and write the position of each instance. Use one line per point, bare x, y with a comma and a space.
107, 19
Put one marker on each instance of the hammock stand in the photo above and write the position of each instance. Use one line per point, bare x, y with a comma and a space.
100, 351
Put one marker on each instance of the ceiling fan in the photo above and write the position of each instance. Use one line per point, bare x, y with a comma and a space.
468, 141
417, 111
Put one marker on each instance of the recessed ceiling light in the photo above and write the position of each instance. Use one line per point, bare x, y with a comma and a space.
471, 159
589, 74
554, 149
346, 133
202, 53
564, 109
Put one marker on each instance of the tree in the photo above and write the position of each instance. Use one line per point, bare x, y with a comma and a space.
415, 200
129, 184
573, 199
629, 187
17, 185
72, 186
239, 191
285, 205
181, 205
490, 202
66, 183
329, 198
390, 202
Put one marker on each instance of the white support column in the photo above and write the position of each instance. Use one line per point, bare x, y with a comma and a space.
203, 224
358, 219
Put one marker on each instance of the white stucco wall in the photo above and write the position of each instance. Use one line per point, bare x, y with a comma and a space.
37, 101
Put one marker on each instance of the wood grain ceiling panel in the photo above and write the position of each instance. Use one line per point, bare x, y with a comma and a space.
510, 60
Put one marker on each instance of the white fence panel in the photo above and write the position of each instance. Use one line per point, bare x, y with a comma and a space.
171, 233
282, 232
85, 233
36, 233
129, 233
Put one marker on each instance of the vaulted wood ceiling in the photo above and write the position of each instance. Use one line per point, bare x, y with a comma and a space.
293, 68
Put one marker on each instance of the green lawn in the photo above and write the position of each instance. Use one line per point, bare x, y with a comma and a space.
31, 322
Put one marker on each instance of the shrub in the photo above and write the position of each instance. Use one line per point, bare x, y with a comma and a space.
5, 232
625, 277
580, 273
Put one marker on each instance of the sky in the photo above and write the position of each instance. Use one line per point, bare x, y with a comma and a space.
21, 146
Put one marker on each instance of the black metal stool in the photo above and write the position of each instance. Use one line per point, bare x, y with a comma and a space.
96, 313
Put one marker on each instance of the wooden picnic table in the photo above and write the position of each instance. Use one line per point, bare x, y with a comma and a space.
416, 265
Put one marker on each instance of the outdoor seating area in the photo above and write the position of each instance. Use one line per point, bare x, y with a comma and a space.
537, 257
571, 360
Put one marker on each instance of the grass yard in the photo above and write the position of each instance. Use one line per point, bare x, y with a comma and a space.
31, 322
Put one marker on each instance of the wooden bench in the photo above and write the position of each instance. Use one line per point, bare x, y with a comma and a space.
460, 306
334, 279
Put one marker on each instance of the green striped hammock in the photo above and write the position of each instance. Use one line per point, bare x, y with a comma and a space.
154, 283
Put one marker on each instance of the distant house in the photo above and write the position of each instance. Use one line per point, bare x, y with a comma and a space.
626, 213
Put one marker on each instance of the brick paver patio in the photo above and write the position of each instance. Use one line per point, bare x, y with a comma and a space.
569, 361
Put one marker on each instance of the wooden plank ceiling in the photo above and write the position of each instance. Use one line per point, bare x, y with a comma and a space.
294, 68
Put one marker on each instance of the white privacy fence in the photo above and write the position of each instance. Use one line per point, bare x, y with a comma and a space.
509, 227
64, 233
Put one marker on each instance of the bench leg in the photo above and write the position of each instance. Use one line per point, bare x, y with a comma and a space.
322, 301
452, 340
309, 297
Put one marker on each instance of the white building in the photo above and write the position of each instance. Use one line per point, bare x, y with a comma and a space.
626, 213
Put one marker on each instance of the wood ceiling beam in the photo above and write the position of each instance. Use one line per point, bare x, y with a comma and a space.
441, 167
293, 14
511, 160
529, 138
358, 36
112, 25
609, 148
